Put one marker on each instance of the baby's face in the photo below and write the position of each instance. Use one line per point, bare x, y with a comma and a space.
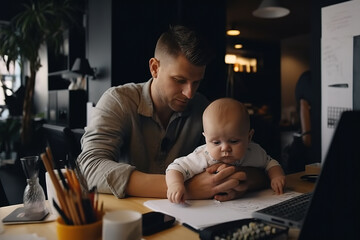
227, 144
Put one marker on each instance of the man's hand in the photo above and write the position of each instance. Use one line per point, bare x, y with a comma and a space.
223, 186
224, 182
235, 192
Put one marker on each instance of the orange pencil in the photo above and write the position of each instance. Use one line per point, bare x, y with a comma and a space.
55, 181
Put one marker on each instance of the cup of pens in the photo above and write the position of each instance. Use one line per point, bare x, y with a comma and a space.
89, 231
80, 214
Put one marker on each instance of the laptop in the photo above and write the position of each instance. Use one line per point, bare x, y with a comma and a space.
332, 210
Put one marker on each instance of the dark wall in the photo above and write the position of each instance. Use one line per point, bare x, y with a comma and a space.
11, 9
129, 31
262, 89
99, 46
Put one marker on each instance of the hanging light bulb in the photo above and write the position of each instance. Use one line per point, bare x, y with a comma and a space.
271, 9
233, 32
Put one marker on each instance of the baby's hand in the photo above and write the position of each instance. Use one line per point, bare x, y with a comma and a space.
277, 184
176, 193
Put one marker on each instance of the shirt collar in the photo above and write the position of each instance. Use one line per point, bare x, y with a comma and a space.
146, 107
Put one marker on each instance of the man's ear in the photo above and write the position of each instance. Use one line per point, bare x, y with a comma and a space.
154, 66
251, 134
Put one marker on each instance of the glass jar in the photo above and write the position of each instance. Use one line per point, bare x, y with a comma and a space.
34, 196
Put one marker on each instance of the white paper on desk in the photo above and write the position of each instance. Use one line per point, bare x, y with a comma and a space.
30, 236
203, 213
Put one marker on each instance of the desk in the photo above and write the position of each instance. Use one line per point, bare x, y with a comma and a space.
111, 203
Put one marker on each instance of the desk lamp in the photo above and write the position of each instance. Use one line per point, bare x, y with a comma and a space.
82, 67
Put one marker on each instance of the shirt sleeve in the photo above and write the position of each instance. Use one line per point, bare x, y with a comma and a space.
256, 156
192, 164
272, 163
100, 149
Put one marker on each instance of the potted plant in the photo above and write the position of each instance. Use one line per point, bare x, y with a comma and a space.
41, 22
9, 134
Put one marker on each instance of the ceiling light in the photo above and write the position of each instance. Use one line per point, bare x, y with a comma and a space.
230, 58
238, 46
233, 32
271, 9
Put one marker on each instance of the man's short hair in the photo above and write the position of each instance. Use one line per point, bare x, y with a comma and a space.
180, 39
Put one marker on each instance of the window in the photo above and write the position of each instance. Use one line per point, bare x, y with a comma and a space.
10, 80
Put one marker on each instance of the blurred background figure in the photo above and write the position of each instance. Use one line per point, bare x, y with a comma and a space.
304, 99
298, 153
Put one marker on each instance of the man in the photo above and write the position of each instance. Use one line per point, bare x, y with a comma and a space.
138, 129
303, 99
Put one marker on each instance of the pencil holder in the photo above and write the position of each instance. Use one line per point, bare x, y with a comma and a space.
92, 231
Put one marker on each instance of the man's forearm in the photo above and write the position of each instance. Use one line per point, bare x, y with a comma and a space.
146, 185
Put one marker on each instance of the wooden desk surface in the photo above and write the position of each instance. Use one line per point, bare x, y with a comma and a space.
111, 203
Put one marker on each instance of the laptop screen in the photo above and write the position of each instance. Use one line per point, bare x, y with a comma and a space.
335, 205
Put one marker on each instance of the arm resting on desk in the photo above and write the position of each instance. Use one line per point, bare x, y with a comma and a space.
146, 185
202, 186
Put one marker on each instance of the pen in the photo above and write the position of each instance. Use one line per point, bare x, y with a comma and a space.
61, 213
55, 181
339, 85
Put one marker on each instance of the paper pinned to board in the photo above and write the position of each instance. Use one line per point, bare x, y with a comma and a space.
203, 213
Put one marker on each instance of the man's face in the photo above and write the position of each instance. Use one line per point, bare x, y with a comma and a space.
175, 81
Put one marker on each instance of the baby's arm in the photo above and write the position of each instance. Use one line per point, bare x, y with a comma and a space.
175, 186
277, 178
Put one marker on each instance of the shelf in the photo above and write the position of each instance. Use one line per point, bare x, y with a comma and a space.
65, 74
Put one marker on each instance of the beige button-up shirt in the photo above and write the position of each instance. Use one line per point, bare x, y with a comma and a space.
125, 134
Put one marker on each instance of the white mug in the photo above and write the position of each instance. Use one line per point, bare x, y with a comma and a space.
51, 192
122, 225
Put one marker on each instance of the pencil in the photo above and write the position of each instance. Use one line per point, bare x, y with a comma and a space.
55, 181
102, 208
62, 214
72, 208
78, 204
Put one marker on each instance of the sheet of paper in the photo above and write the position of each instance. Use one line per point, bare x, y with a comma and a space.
30, 236
203, 213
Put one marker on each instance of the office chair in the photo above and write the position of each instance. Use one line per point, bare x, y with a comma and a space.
63, 142
3, 199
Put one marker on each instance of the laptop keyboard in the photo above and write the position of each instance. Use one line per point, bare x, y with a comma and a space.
293, 209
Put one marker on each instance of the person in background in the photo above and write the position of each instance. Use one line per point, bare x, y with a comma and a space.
228, 140
137, 130
298, 153
303, 99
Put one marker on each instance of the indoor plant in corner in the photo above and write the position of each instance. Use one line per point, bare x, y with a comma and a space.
9, 130
41, 22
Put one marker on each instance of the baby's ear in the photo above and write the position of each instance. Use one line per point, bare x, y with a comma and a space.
203, 134
251, 134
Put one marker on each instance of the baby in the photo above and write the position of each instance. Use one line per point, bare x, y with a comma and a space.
228, 136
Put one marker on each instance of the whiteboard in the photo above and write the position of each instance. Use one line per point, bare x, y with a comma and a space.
340, 23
